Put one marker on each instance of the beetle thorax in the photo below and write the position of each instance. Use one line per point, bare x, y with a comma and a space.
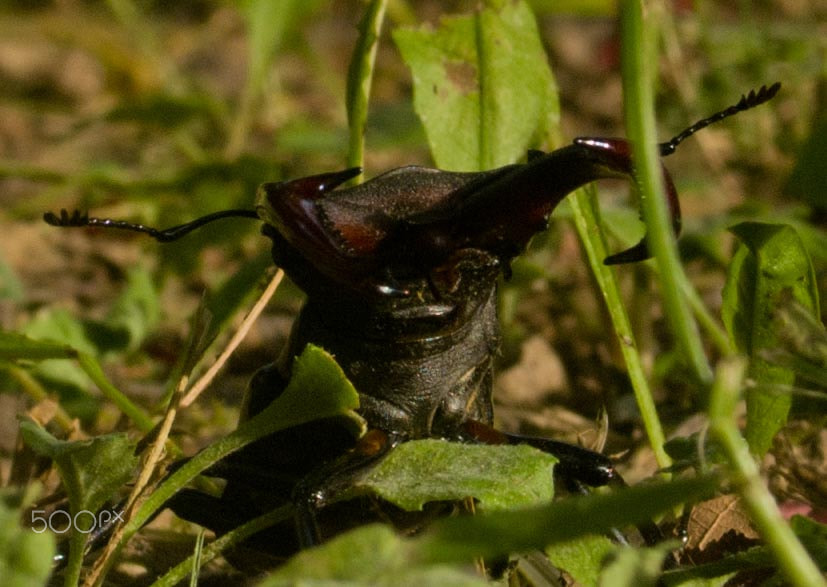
417, 384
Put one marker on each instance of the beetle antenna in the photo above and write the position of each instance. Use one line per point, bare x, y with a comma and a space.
164, 235
747, 101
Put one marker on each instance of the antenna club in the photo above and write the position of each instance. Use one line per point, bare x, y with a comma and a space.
750, 100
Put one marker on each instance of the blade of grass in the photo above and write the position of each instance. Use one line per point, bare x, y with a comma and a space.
267, 23
151, 457
706, 320
586, 218
637, 41
135, 413
792, 558
359, 77
35, 390
150, 461
454, 539
196, 558
179, 572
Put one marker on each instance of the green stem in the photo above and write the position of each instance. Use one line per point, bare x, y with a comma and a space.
706, 320
792, 558
179, 572
359, 77
637, 52
586, 218
34, 390
93, 369
74, 563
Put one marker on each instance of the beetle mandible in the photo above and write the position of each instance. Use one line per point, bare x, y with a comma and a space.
400, 274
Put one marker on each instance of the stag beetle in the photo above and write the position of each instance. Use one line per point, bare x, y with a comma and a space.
400, 274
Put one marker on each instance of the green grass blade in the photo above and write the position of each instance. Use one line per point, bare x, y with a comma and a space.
638, 57
359, 77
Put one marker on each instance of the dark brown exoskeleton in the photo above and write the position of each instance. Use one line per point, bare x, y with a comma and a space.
400, 274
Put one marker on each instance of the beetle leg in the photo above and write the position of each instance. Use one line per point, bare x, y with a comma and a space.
322, 487
583, 465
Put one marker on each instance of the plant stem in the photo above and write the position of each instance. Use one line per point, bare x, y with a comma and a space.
359, 77
792, 558
637, 52
179, 572
586, 218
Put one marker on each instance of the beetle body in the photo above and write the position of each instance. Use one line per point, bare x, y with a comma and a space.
400, 274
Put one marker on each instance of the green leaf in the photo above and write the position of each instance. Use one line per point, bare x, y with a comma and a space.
376, 555
482, 86
91, 470
15, 346
500, 477
25, 556
318, 388
813, 535
804, 340
137, 311
268, 23
70, 378
64, 377
60, 326
133, 315
636, 567
359, 76
499, 533
771, 265
582, 558
370, 555
693, 451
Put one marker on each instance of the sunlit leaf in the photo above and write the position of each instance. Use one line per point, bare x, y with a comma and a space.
318, 388
582, 558
418, 472
769, 266
137, 310
482, 86
91, 470
375, 555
